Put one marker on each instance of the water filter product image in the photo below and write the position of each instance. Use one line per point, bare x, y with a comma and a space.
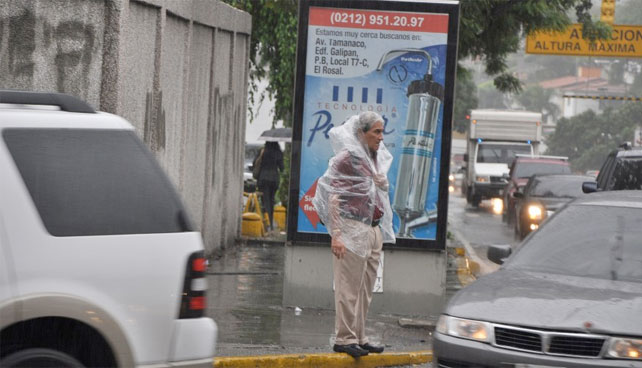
425, 97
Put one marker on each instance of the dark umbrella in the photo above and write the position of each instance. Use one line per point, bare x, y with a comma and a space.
277, 135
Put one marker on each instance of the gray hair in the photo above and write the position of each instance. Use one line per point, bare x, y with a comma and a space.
367, 120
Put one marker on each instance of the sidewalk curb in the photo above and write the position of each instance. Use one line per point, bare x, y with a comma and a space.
325, 360
260, 241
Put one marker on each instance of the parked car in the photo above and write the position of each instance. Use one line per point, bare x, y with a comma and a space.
569, 296
541, 197
100, 265
251, 152
621, 170
522, 168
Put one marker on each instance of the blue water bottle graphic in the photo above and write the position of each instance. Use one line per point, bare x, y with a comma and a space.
425, 97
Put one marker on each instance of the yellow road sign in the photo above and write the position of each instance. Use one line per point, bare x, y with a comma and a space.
626, 42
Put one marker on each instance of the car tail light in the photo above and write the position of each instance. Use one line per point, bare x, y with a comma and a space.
193, 300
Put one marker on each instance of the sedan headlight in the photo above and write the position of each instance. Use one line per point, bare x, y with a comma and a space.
464, 328
482, 179
623, 348
534, 212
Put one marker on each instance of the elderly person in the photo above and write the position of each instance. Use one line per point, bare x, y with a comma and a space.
352, 201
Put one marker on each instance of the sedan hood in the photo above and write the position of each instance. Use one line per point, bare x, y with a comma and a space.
548, 301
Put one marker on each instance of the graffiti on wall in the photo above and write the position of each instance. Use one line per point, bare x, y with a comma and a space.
37, 52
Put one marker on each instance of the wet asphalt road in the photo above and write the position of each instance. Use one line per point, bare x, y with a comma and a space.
245, 300
479, 228
246, 290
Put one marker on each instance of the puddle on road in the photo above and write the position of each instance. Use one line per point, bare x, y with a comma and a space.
245, 299
245, 294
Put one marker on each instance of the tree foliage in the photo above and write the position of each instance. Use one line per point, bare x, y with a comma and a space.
586, 139
490, 30
552, 66
536, 98
493, 29
272, 52
491, 98
466, 100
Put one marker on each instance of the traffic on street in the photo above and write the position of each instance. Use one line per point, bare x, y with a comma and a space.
320, 183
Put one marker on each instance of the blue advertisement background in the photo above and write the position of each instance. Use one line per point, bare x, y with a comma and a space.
330, 101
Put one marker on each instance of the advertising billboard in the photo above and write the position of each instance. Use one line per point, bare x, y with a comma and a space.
394, 58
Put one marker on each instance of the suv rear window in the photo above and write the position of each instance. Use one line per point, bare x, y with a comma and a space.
95, 182
627, 174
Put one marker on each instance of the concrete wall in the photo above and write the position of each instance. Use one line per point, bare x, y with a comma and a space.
414, 282
176, 69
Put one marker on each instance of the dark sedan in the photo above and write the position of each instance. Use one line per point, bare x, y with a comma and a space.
570, 296
542, 196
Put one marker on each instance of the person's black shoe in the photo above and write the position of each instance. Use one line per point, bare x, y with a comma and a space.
372, 348
352, 349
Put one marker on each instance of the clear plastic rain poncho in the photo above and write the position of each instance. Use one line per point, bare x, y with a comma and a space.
347, 197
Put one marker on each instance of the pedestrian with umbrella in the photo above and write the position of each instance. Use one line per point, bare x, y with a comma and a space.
268, 165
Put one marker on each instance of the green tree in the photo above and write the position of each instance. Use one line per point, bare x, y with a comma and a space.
273, 57
538, 99
551, 66
586, 139
491, 98
272, 52
493, 29
490, 30
465, 99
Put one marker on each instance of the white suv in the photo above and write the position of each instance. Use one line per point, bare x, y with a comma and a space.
99, 263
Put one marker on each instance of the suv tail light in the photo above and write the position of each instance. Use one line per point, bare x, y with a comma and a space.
193, 301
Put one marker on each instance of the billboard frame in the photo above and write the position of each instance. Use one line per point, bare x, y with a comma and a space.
451, 8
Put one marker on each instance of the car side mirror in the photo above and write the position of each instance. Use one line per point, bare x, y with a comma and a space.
498, 253
589, 187
518, 194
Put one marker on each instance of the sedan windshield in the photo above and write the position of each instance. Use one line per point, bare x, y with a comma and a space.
587, 241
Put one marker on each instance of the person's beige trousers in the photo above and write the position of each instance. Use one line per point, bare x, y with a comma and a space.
354, 278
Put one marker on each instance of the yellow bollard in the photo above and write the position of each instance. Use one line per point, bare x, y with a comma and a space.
279, 217
251, 225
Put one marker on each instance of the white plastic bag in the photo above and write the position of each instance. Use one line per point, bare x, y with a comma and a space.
346, 194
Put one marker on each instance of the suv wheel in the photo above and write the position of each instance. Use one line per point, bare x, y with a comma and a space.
37, 357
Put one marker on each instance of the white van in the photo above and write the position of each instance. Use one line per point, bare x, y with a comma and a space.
99, 263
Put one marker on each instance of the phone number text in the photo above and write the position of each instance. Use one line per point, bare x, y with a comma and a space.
337, 18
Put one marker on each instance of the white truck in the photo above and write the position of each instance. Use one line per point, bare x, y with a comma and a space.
494, 138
